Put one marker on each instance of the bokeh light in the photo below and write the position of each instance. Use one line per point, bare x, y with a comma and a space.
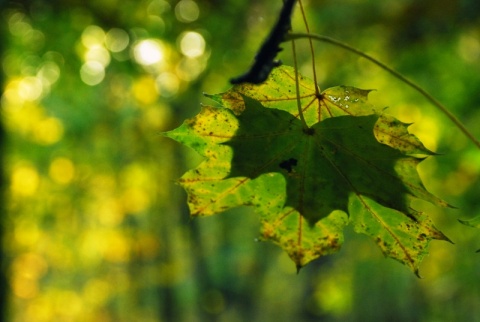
62, 170
93, 36
49, 72
189, 69
28, 268
469, 47
158, 7
168, 84
30, 89
187, 11
192, 44
92, 72
149, 52
27, 233
95, 228
144, 90
48, 131
25, 180
117, 40
99, 54
18, 24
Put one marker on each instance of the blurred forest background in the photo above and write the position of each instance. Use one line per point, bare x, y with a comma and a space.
94, 227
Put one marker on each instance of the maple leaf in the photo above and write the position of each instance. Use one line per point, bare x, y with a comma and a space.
352, 161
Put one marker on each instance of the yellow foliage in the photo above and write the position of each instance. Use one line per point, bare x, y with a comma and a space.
62, 170
144, 90
24, 181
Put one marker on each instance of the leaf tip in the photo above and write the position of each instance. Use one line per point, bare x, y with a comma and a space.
445, 238
299, 267
474, 222
443, 203
366, 92
470, 222
417, 273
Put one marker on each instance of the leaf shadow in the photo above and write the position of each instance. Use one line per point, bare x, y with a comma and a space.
323, 166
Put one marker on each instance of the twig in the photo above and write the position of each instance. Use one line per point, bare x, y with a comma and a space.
312, 52
429, 97
297, 87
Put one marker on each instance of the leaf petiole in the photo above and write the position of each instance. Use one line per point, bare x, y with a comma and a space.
312, 52
435, 102
297, 88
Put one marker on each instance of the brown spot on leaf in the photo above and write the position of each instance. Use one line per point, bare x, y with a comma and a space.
288, 164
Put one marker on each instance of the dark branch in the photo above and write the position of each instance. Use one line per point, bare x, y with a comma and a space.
265, 58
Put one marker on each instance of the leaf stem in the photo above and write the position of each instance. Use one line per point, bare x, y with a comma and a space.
424, 93
297, 87
312, 52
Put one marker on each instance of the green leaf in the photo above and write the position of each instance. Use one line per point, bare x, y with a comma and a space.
403, 240
304, 183
279, 92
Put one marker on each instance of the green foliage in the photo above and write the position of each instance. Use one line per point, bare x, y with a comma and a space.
352, 159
